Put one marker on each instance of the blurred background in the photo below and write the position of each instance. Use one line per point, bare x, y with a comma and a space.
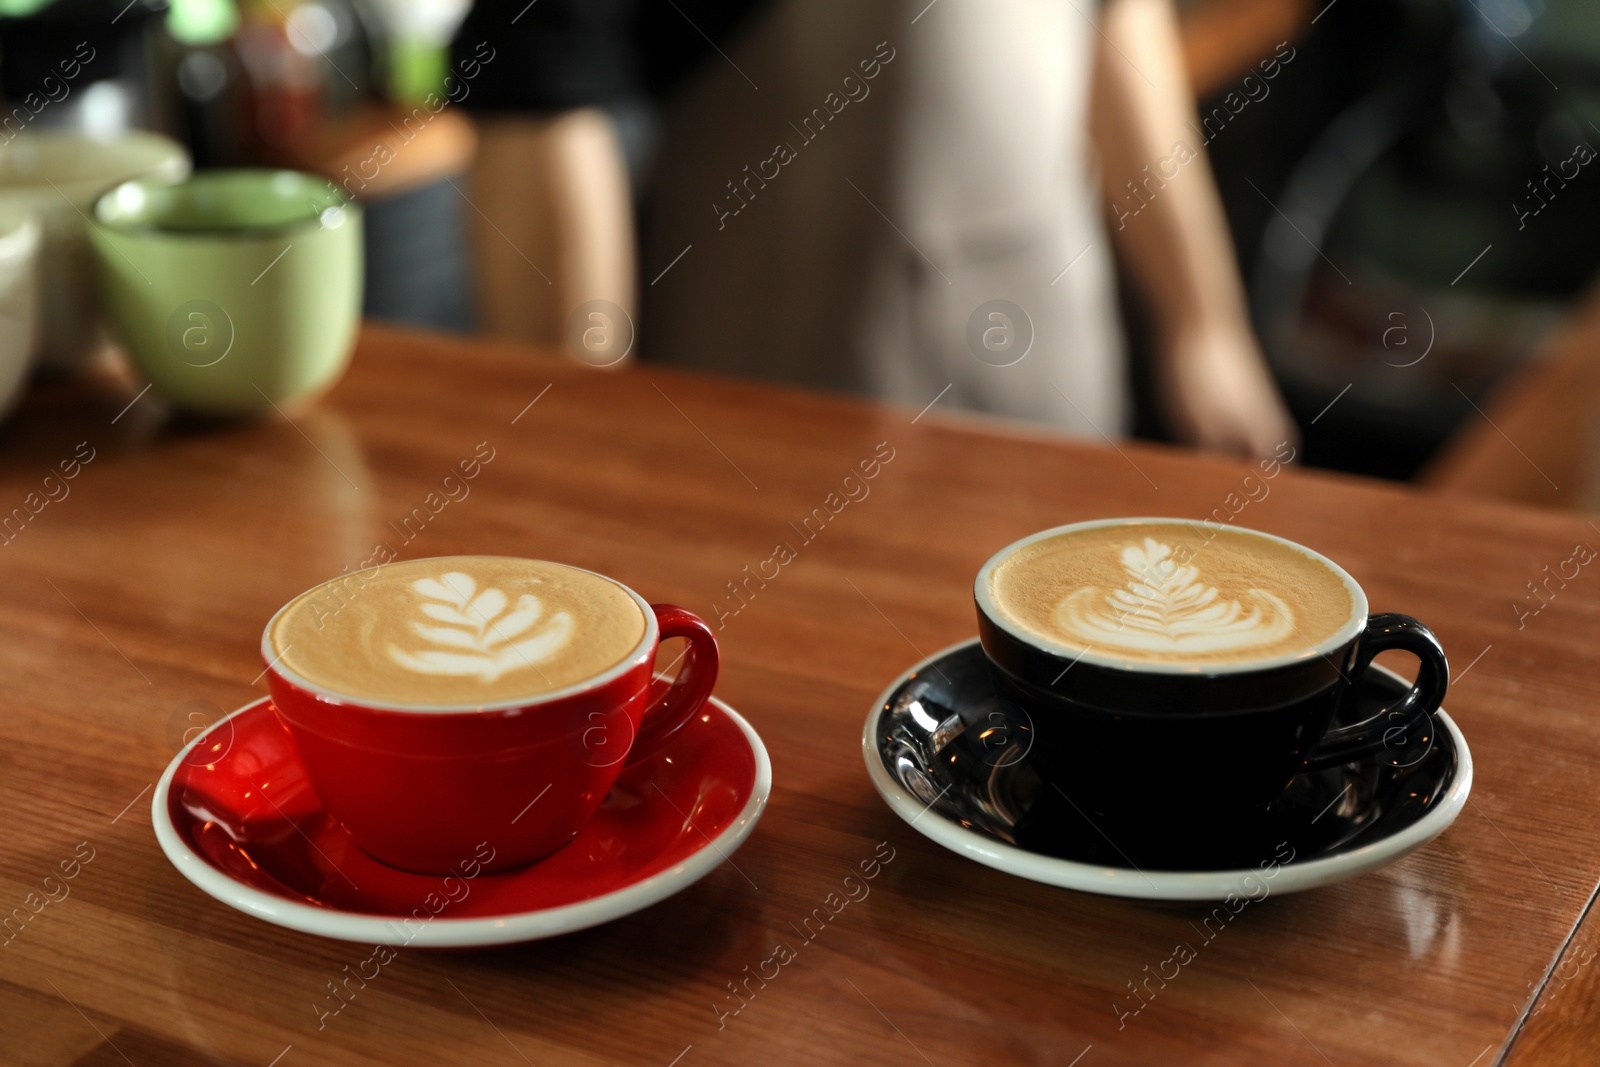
1408, 194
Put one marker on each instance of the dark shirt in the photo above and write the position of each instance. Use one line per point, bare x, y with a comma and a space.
551, 55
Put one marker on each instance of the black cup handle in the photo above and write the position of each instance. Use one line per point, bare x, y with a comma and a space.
1385, 632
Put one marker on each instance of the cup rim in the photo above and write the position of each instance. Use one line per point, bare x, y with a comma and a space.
346, 202
641, 653
159, 155
983, 594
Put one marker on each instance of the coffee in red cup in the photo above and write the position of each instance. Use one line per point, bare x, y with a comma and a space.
442, 704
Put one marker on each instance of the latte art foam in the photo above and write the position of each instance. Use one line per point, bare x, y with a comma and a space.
1163, 593
459, 630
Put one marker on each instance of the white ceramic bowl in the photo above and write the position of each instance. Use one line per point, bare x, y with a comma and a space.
19, 302
56, 176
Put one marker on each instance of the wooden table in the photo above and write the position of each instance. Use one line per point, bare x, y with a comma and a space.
138, 598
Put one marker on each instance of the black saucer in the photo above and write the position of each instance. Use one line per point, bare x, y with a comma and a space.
945, 738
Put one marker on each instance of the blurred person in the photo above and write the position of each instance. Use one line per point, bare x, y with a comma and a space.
564, 117
841, 190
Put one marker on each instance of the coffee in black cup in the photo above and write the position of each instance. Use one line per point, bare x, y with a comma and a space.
1178, 674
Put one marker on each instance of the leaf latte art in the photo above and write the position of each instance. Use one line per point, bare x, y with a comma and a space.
481, 638
1166, 607
458, 631
1173, 593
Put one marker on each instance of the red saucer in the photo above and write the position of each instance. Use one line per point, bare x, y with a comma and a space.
237, 816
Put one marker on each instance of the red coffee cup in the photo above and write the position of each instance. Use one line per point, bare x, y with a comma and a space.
422, 787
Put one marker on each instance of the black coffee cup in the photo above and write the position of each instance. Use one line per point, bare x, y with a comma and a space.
1141, 745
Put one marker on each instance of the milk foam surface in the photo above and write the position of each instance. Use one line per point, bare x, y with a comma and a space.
458, 630
1164, 593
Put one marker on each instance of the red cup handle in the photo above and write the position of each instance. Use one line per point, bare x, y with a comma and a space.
689, 691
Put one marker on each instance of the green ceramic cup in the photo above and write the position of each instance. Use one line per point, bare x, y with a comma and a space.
235, 290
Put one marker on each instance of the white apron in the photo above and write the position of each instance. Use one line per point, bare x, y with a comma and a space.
842, 229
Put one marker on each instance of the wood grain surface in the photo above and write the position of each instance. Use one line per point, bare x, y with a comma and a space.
1563, 1025
137, 597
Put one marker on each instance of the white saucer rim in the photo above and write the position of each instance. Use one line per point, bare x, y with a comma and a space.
479, 931
1293, 877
